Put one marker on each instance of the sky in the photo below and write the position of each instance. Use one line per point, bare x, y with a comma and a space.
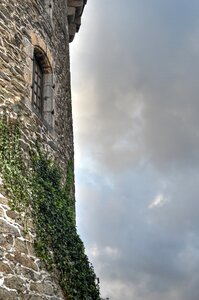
135, 89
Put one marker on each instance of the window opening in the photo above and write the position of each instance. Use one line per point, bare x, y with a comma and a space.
42, 88
37, 87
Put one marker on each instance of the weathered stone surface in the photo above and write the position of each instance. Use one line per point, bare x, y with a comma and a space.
12, 214
6, 241
35, 297
4, 268
29, 274
1, 212
75, 10
75, 3
7, 295
31, 250
21, 246
6, 227
42, 288
24, 26
15, 283
23, 260
3, 200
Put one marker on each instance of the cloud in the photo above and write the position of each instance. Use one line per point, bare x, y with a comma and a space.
135, 71
147, 68
158, 201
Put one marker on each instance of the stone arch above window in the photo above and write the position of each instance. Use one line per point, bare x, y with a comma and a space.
43, 59
42, 87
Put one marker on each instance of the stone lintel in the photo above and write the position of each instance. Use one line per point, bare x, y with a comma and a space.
75, 3
71, 11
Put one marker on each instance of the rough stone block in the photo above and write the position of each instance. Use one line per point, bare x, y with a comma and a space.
75, 3
6, 241
12, 214
23, 260
5, 268
21, 246
71, 11
7, 295
7, 228
36, 297
42, 288
1, 212
29, 274
15, 283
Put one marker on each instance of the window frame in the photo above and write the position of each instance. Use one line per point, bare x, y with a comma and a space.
45, 110
38, 108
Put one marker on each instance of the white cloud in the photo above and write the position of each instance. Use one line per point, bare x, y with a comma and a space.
93, 251
158, 201
113, 252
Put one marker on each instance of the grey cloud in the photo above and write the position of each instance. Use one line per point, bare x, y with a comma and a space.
143, 66
157, 249
135, 103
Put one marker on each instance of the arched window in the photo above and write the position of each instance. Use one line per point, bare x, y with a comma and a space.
42, 87
38, 80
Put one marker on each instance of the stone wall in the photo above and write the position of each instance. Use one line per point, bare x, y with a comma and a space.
22, 275
25, 25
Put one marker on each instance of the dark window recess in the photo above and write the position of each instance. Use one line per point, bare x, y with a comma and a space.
42, 88
37, 95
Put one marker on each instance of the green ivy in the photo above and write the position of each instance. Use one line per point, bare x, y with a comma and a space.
37, 186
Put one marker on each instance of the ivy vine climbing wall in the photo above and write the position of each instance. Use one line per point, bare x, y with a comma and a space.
37, 187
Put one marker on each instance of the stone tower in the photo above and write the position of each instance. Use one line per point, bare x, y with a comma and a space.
35, 91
